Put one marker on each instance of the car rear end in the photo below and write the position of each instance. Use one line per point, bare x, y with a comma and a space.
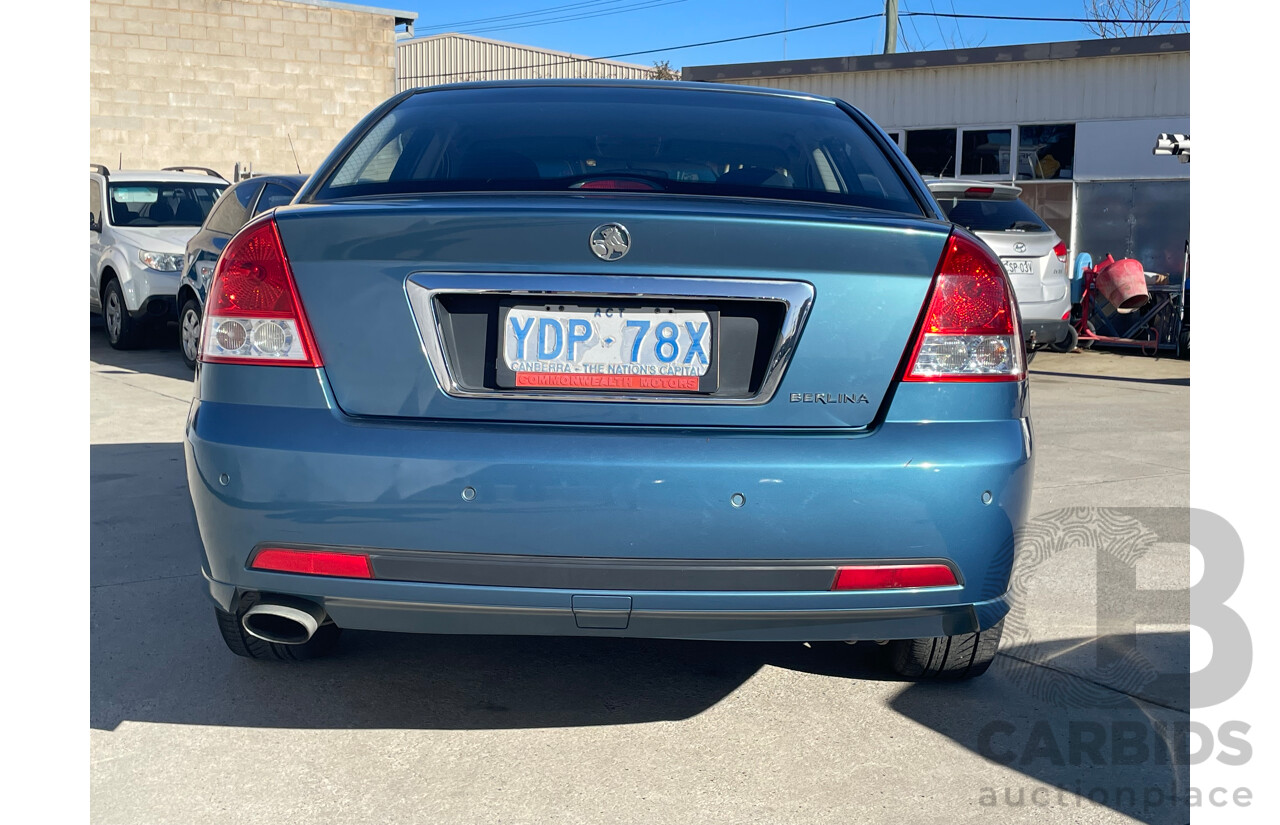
1032, 253
518, 361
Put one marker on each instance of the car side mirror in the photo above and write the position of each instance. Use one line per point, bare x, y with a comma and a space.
94, 224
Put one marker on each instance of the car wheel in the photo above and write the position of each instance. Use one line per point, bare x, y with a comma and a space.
1184, 344
122, 330
1067, 344
948, 657
189, 332
242, 644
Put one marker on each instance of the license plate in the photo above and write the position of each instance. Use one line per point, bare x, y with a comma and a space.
609, 348
1017, 267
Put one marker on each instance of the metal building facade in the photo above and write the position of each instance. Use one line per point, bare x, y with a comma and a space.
455, 58
1107, 193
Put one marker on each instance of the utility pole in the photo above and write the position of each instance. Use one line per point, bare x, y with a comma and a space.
890, 26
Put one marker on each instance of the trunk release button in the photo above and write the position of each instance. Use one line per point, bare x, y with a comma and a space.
602, 612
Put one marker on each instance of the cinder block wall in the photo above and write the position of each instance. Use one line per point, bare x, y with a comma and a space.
213, 82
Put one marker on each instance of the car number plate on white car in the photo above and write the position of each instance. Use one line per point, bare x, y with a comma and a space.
1016, 266
608, 348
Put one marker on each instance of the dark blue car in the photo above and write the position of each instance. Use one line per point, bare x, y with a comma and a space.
238, 204
602, 358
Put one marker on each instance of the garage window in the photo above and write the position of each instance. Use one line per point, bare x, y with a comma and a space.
985, 152
1046, 151
932, 152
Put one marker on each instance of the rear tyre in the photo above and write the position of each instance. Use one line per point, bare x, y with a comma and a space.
1067, 344
242, 644
122, 331
189, 332
948, 657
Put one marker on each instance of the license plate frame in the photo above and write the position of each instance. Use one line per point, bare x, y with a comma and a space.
1018, 266
508, 379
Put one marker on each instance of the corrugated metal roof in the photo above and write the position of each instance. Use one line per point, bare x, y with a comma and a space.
1024, 53
454, 57
1040, 92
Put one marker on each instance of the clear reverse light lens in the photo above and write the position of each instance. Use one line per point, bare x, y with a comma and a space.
962, 355
257, 338
161, 261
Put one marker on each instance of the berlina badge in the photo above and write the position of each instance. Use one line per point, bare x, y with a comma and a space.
610, 241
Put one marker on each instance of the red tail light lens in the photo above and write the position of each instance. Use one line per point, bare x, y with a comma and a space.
1061, 251
313, 563
893, 576
970, 330
254, 315
979, 191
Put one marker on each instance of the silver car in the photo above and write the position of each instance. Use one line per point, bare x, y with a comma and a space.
1032, 253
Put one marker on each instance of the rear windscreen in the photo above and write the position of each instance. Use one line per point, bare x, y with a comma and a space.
991, 216
539, 138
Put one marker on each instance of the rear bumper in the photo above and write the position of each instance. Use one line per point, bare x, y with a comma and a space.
1046, 332
603, 511
410, 608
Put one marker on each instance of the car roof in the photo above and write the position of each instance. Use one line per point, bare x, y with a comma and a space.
294, 181
611, 83
158, 176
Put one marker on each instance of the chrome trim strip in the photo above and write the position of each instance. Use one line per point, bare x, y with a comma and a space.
421, 288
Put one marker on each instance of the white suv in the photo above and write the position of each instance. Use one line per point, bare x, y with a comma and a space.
139, 225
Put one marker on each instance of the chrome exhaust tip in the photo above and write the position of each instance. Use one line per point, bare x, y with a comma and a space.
283, 620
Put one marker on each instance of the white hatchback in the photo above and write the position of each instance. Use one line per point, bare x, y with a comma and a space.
1032, 253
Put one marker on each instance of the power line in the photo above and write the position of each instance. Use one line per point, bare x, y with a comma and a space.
480, 20
640, 6
648, 51
1039, 19
776, 32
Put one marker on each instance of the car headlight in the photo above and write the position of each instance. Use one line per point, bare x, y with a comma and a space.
160, 261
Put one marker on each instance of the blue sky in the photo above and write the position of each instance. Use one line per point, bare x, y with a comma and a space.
657, 24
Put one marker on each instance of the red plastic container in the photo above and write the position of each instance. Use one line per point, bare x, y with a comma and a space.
1122, 283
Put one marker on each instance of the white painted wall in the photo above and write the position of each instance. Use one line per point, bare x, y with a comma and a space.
1121, 149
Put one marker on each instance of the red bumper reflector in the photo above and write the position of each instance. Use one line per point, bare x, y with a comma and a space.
314, 563
890, 576
602, 381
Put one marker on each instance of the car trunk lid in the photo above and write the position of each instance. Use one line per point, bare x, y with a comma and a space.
812, 307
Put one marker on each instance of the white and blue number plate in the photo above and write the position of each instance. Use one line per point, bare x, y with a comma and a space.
607, 348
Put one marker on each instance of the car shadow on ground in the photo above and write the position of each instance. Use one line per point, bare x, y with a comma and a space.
1169, 382
157, 657
1066, 733
158, 353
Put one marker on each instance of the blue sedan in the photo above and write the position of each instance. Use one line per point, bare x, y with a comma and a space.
601, 358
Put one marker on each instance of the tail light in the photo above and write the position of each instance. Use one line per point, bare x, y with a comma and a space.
1061, 251
970, 330
313, 563
253, 314
893, 576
